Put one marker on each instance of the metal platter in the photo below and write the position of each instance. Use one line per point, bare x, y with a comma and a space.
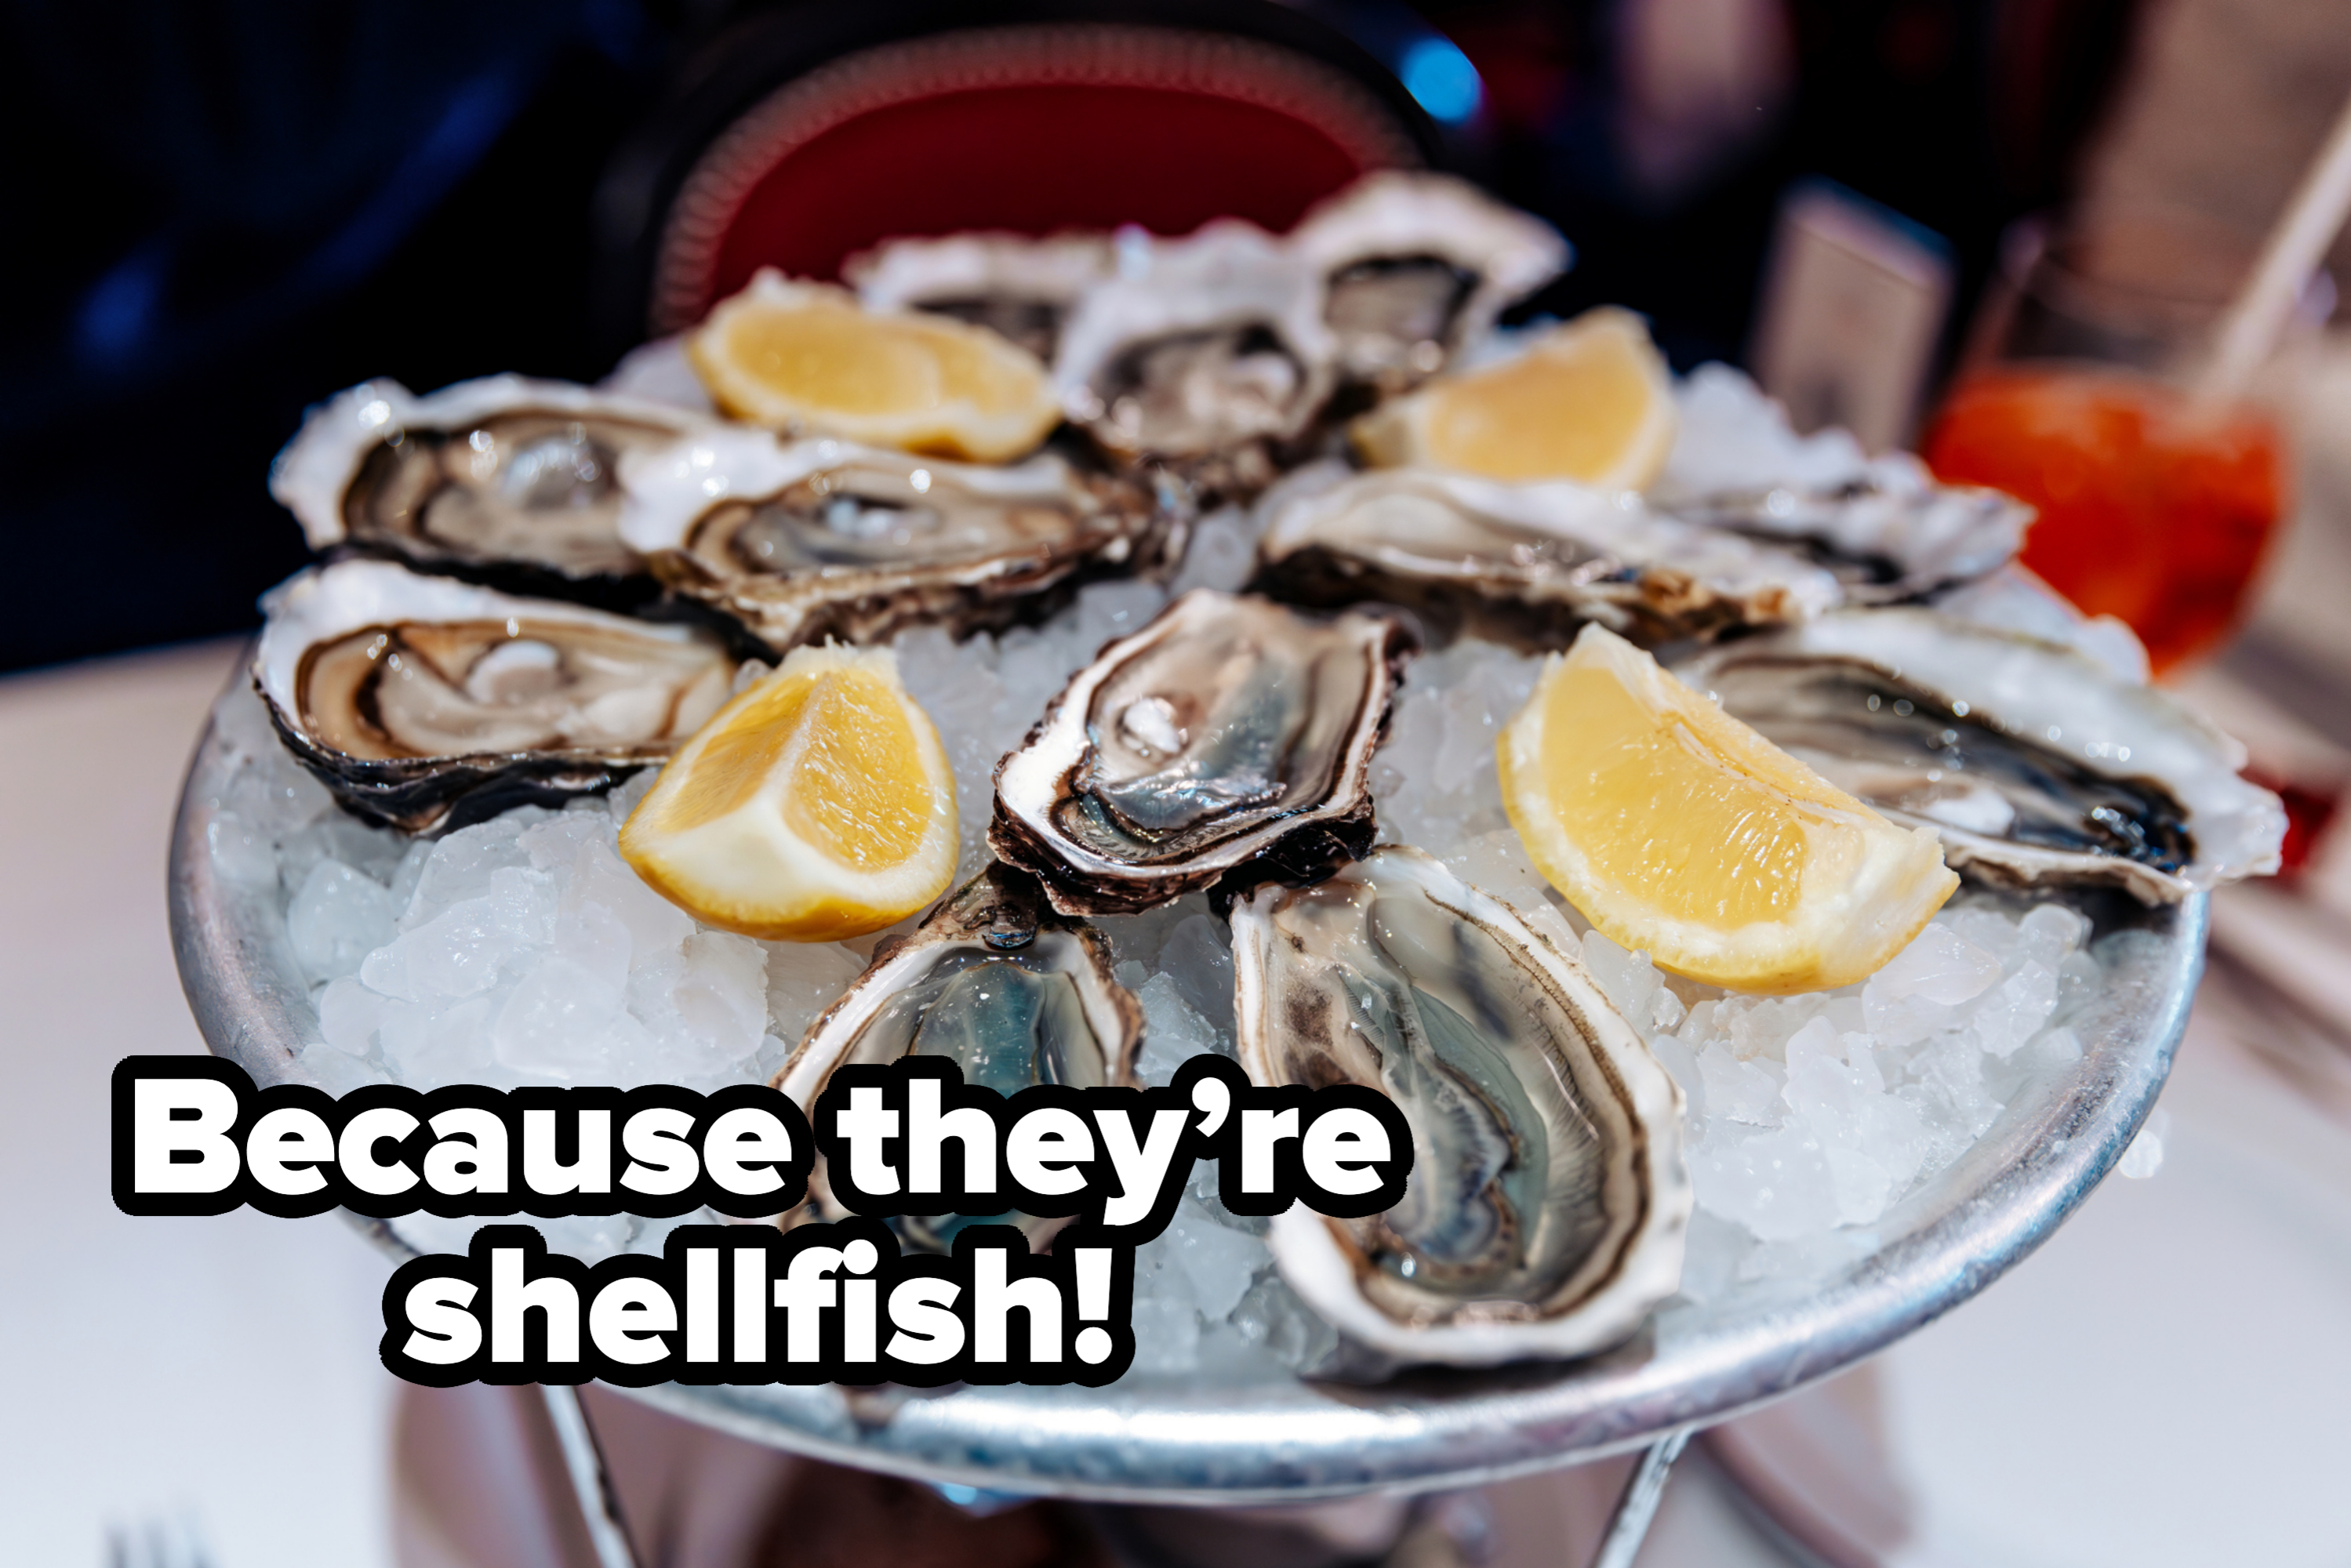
1282, 1439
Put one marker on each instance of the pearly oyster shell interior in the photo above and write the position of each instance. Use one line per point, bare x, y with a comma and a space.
1230, 732
1527, 563
997, 982
803, 540
2032, 761
1020, 288
499, 475
1414, 266
426, 703
1885, 542
1545, 1210
1204, 346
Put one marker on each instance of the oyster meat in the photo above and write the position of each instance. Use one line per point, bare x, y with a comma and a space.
1230, 739
1020, 288
1548, 1200
1207, 347
1012, 993
425, 703
1886, 542
1528, 563
1226, 740
803, 540
1414, 266
2033, 762
501, 476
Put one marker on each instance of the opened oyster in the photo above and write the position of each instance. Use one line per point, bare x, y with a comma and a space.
1414, 266
1020, 288
1527, 563
811, 540
426, 703
996, 982
1545, 1211
1885, 542
496, 476
1230, 739
1210, 346
2033, 762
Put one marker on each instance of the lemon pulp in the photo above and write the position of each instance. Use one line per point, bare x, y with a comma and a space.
1677, 829
807, 358
816, 805
1587, 402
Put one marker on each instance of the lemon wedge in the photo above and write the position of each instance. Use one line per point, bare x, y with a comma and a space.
1588, 400
817, 805
807, 359
1676, 828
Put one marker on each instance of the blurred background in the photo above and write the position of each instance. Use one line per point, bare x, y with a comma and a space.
223, 209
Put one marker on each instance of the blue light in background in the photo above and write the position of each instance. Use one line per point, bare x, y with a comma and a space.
1441, 79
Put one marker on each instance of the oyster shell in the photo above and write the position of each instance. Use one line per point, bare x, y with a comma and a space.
1230, 739
426, 703
2032, 761
1012, 993
1527, 563
1548, 1200
811, 539
1207, 347
1885, 542
1414, 266
1023, 288
500, 476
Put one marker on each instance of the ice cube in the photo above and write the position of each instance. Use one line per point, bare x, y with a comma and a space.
1222, 553
337, 918
1776, 1184
1198, 959
1939, 965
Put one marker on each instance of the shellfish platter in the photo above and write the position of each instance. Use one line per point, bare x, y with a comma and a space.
1730, 862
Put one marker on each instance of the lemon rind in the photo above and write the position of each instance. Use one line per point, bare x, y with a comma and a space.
1396, 434
1843, 933
747, 872
958, 428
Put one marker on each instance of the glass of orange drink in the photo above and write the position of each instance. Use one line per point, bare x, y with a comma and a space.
2155, 505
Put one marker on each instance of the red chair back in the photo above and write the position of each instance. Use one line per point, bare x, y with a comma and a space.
1030, 128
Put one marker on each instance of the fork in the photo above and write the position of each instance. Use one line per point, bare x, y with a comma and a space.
157, 1542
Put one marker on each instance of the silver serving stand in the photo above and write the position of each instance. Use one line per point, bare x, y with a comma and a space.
1279, 1439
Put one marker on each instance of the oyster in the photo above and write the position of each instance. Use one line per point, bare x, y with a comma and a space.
1209, 347
2032, 761
1527, 563
999, 984
820, 538
489, 478
426, 703
1230, 739
1020, 288
1414, 266
1886, 542
1545, 1211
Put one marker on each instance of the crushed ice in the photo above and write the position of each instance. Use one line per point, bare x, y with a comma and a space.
523, 950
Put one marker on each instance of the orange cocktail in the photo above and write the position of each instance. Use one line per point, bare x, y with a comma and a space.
2151, 509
